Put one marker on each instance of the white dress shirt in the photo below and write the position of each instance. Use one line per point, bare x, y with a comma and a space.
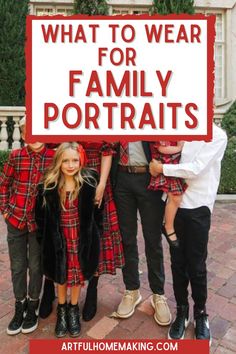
136, 154
200, 165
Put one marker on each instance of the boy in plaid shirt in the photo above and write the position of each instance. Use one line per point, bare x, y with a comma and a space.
18, 188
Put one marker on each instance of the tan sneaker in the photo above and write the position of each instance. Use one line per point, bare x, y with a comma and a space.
130, 300
162, 313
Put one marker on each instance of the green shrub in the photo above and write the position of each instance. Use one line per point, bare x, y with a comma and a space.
228, 169
165, 7
91, 8
3, 158
12, 59
229, 121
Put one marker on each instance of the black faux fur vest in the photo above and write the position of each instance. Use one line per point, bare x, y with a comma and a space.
52, 240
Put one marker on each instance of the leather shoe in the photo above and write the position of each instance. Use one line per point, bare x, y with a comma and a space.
61, 324
74, 326
172, 243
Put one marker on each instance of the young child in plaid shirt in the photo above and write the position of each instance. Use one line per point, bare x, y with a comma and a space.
18, 188
168, 152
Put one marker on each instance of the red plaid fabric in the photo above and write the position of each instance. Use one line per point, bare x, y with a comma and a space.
111, 249
174, 185
166, 143
18, 185
70, 229
124, 153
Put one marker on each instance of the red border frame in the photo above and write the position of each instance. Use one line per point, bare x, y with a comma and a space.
54, 346
60, 138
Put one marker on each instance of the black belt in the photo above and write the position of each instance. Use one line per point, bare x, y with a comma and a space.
134, 169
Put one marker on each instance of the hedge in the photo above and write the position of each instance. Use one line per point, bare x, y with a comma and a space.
228, 169
3, 158
229, 121
166, 7
12, 48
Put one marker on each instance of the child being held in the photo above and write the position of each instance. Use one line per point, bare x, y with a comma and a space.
168, 152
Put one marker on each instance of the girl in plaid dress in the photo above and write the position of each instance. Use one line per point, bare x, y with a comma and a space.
168, 152
99, 157
67, 221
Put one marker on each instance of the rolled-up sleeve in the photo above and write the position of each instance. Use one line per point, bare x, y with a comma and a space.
208, 153
108, 149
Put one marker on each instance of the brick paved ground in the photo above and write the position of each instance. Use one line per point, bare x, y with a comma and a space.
221, 304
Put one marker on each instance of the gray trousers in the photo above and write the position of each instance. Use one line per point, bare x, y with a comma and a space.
24, 253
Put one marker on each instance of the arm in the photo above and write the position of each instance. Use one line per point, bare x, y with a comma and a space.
208, 153
105, 170
6, 181
106, 161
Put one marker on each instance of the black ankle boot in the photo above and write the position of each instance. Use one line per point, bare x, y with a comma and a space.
47, 299
61, 324
178, 326
90, 305
74, 326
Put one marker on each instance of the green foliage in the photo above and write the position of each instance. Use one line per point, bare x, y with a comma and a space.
3, 158
165, 7
91, 7
12, 59
229, 121
228, 169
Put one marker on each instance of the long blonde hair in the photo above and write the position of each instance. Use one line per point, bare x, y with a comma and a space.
54, 177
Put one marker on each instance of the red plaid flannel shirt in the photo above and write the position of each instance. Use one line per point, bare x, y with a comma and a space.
18, 185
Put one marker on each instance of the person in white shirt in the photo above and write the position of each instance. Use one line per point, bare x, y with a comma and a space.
200, 165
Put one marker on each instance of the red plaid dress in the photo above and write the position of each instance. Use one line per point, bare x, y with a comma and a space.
111, 249
70, 229
174, 185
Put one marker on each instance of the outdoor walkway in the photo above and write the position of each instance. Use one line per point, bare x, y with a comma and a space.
221, 303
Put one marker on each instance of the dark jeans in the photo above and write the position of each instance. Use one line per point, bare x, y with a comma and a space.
131, 195
188, 262
24, 253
